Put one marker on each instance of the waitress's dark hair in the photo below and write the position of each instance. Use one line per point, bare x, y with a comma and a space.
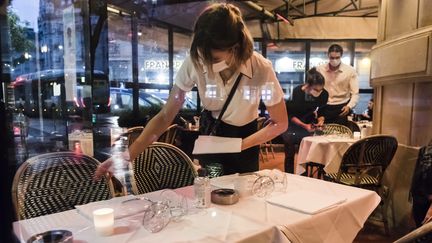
220, 26
313, 77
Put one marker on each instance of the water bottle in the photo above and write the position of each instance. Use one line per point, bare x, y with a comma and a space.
120, 162
202, 190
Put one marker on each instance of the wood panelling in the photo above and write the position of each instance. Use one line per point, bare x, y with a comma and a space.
397, 110
401, 17
405, 56
425, 16
421, 132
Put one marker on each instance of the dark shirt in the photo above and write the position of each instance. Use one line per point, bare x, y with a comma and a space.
303, 105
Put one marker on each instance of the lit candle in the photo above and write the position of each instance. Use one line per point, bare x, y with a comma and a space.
103, 220
356, 135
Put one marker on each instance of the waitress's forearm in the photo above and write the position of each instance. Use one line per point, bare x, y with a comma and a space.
159, 123
152, 131
266, 134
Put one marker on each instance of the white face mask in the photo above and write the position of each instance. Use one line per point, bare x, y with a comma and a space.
335, 62
315, 93
220, 66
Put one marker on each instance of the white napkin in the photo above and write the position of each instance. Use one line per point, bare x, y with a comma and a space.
121, 210
214, 145
306, 202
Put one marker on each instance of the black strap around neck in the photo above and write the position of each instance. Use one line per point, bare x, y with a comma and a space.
228, 100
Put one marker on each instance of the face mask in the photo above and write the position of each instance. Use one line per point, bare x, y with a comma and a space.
315, 93
335, 62
219, 67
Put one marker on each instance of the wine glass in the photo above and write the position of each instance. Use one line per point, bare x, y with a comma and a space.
177, 203
280, 180
156, 217
263, 186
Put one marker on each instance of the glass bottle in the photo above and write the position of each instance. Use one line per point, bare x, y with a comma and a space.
202, 189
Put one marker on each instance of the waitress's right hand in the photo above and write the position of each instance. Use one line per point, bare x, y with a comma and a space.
104, 168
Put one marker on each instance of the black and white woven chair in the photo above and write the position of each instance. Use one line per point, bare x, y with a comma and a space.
170, 135
313, 167
161, 166
337, 129
363, 165
56, 182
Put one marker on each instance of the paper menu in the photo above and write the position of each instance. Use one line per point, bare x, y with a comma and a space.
215, 145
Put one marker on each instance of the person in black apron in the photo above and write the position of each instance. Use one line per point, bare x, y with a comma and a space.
222, 60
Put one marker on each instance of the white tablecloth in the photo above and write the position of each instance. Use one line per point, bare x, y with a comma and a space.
252, 219
325, 150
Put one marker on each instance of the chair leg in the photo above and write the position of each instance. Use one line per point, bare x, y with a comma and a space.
272, 149
384, 217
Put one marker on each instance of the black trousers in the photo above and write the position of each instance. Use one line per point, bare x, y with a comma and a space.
292, 140
331, 114
245, 161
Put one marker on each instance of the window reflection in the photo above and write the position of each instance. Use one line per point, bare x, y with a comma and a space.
288, 60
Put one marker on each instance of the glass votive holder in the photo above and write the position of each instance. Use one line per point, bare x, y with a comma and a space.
356, 135
103, 220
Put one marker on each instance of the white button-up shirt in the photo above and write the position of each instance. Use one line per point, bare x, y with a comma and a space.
342, 84
258, 81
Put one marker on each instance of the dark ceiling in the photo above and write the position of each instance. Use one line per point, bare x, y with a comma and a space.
182, 13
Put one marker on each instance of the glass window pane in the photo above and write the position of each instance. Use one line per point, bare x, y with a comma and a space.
153, 62
288, 60
362, 63
120, 48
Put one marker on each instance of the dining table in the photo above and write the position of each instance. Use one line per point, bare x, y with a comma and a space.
326, 150
304, 210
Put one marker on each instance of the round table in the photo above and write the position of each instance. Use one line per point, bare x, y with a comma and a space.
325, 150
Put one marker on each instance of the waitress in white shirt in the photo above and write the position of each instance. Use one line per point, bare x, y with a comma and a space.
221, 50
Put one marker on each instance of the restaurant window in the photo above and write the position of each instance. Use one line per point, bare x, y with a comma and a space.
362, 65
49, 92
120, 49
153, 64
288, 59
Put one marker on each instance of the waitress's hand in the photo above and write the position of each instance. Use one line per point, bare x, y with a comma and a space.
104, 168
108, 165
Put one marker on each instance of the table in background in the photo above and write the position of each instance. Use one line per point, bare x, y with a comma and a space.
250, 220
325, 150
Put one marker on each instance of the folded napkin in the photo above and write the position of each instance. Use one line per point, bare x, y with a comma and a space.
306, 202
123, 207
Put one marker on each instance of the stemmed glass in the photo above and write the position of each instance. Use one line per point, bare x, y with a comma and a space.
177, 203
157, 216
280, 180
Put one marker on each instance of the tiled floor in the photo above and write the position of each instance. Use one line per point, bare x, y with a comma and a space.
371, 232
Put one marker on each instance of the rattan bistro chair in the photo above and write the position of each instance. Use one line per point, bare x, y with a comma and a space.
170, 135
363, 165
266, 146
161, 166
337, 129
313, 168
133, 133
56, 182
